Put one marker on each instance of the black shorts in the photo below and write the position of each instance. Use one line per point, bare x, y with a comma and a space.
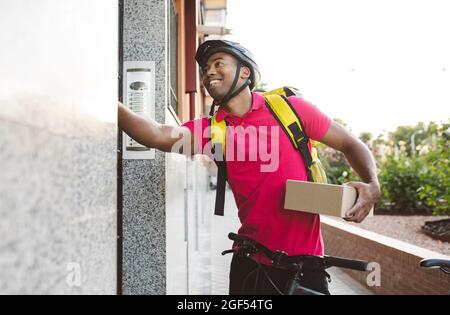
246, 280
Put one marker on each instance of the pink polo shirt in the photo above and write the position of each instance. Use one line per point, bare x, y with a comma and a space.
257, 174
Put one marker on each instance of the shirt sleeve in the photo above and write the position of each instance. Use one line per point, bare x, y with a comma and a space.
198, 127
315, 122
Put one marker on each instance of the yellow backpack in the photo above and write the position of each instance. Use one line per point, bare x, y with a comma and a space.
284, 113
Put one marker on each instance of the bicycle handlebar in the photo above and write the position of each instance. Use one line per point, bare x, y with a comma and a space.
274, 256
284, 259
355, 264
435, 263
443, 264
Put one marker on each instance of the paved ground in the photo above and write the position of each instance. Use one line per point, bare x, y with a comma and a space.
212, 277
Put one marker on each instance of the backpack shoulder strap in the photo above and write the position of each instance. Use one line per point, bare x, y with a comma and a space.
218, 136
285, 91
218, 142
284, 113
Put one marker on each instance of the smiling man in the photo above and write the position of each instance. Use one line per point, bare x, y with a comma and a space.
229, 75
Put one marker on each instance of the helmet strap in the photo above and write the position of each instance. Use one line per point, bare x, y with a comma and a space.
230, 93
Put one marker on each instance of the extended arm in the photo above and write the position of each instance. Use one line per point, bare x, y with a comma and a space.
153, 134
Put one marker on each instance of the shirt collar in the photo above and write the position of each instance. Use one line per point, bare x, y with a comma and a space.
257, 103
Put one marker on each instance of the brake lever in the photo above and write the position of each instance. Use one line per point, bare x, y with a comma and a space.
228, 251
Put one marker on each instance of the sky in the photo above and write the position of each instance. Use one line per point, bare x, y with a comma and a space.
376, 64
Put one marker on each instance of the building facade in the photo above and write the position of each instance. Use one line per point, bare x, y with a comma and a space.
77, 214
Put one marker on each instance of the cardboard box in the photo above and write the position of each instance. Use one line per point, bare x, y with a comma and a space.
318, 198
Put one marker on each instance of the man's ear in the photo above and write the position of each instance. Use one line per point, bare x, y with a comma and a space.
245, 72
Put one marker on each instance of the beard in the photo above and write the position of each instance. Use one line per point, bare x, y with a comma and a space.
217, 92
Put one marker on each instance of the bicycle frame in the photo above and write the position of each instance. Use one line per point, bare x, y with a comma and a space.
248, 247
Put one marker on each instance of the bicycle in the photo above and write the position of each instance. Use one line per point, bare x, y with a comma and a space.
433, 263
443, 264
295, 263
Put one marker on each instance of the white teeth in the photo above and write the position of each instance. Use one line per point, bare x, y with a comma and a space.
214, 82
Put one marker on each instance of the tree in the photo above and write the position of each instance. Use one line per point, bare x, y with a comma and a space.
416, 133
342, 123
261, 87
366, 137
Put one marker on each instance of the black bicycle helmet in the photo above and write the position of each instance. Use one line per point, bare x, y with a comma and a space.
211, 47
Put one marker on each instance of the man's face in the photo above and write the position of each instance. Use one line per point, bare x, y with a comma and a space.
219, 72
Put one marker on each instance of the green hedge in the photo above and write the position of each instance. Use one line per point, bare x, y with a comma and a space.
400, 179
411, 180
435, 180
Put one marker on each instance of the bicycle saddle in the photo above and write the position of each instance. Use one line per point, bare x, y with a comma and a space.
435, 263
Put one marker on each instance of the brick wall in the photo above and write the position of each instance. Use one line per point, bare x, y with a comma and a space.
399, 261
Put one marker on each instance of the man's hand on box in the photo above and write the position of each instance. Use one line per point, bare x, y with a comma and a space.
367, 195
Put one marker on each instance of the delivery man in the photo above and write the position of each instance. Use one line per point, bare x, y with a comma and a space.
258, 185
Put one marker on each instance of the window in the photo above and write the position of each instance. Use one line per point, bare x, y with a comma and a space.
173, 58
